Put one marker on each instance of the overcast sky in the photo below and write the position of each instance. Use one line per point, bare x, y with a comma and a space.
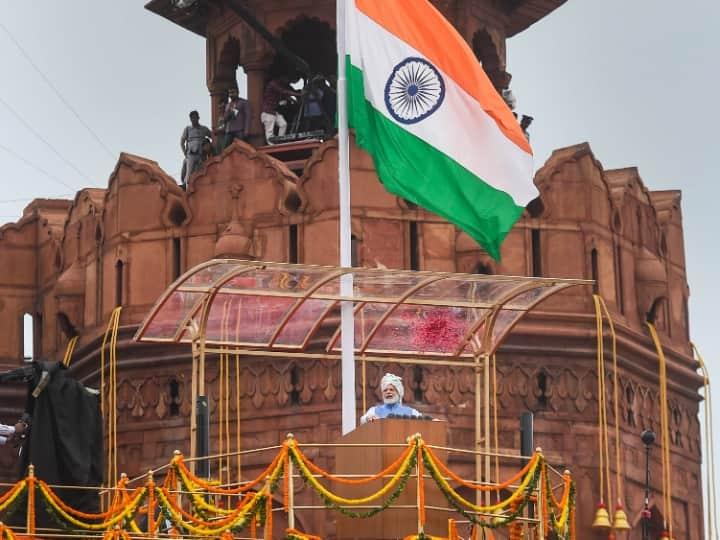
637, 79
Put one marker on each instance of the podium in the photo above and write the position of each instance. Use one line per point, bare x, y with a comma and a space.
401, 518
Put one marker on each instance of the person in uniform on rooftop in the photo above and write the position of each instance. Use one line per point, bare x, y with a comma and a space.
276, 90
192, 141
314, 117
393, 391
237, 118
525, 122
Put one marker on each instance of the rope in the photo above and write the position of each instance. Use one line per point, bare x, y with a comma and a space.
237, 394
493, 367
222, 375
69, 351
603, 447
665, 435
708, 435
108, 396
616, 404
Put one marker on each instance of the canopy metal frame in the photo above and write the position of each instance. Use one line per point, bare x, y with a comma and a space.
277, 309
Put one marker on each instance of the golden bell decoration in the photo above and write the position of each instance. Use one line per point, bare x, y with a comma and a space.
665, 536
602, 518
620, 521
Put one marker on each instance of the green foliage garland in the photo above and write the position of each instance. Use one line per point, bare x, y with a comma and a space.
497, 522
391, 499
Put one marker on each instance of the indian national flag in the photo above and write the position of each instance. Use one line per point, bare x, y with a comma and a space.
439, 133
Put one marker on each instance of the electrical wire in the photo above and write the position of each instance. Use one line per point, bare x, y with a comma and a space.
56, 91
33, 166
50, 146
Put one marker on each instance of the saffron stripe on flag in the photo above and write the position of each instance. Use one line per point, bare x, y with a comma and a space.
425, 29
460, 128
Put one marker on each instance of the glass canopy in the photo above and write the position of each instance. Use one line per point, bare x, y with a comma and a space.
296, 308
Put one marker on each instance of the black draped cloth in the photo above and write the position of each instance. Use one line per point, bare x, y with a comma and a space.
65, 443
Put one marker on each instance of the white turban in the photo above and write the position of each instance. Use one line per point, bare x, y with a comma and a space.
390, 379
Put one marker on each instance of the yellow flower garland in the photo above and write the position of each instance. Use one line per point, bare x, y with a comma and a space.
518, 493
353, 502
351, 481
198, 483
206, 529
12, 495
172, 506
94, 526
6, 532
125, 504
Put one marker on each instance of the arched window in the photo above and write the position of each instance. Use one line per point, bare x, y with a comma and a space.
418, 379
28, 337
176, 258
174, 396
293, 244
294, 398
619, 292
414, 245
630, 403
594, 274
542, 390
118, 283
354, 250
536, 252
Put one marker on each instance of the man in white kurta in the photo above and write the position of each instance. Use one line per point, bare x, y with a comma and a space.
393, 391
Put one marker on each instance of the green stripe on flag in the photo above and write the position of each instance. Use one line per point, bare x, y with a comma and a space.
413, 169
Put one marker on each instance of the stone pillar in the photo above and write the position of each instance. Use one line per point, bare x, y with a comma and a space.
218, 98
255, 73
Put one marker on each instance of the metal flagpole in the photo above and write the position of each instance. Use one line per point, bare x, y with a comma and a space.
346, 281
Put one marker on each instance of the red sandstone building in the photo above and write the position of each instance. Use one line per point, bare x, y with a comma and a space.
68, 264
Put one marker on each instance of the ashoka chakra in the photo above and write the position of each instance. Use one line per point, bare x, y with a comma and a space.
414, 90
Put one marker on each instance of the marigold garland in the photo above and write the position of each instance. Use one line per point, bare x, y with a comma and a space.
294, 534
561, 525
11, 496
204, 528
446, 488
191, 480
307, 475
171, 506
254, 508
455, 500
122, 514
48, 492
312, 482
6, 532
496, 487
352, 481
199, 504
